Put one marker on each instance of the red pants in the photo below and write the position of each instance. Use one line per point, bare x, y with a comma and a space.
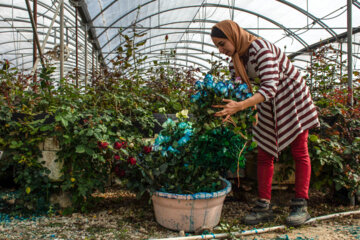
300, 154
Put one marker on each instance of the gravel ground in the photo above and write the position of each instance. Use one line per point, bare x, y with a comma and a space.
119, 215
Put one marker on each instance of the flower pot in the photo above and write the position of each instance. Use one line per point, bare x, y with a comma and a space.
189, 212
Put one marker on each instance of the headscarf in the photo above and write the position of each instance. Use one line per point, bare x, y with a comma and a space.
241, 40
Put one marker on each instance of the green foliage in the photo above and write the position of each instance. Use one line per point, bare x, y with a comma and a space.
334, 147
167, 165
78, 119
218, 144
220, 148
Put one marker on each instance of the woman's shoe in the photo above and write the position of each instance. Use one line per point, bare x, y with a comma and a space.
299, 213
261, 212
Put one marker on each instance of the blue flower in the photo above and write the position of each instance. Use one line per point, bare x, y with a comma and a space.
248, 95
162, 139
224, 91
218, 86
208, 77
168, 123
164, 153
183, 140
156, 147
209, 84
230, 86
242, 87
238, 95
172, 150
159, 140
195, 97
188, 132
182, 125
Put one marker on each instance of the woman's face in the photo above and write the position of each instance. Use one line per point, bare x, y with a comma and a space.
224, 46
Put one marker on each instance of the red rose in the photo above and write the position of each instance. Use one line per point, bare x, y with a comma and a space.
147, 149
117, 145
117, 157
132, 160
102, 144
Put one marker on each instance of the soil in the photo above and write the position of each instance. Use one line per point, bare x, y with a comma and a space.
119, 215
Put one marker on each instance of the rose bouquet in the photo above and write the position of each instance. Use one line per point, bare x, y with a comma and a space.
217, 144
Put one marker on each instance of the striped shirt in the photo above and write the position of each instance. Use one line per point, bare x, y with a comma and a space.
288, 109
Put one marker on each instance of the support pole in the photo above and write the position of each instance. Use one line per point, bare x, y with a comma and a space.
86, 54
77, 48
34, 38
93, 67
61, 40
47, 35
35, 32
349, 52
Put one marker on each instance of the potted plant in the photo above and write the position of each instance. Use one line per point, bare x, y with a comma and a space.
185, 195
180, 171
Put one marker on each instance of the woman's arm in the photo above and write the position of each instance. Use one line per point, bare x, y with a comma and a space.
233, 107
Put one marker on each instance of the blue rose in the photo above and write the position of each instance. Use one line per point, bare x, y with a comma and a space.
208, 77
209, 85
248, 95
183, 140
172, 150
164, 153
218, 87
195, 97
169, 123
188, 132
182, 125
224, 91
238, 95
230, 86
242, 87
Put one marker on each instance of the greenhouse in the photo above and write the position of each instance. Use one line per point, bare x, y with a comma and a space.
191, 119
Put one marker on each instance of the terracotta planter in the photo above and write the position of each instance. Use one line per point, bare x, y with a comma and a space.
189, 212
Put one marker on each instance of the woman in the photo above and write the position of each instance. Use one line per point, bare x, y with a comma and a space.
285, 114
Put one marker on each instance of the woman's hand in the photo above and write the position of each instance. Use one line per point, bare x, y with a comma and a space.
229, 109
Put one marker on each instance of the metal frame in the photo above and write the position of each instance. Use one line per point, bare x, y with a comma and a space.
89, 34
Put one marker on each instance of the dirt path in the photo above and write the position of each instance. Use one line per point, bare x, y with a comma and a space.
118, 215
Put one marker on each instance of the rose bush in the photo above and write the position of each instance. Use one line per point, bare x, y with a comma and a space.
189, 157
166, 164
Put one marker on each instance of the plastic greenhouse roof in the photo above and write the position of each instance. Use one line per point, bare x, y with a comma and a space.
295, 26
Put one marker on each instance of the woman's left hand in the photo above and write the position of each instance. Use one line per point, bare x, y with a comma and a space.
229, 109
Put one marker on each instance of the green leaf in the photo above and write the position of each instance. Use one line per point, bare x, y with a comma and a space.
80, 149
90, 132
64, 122
313, 138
